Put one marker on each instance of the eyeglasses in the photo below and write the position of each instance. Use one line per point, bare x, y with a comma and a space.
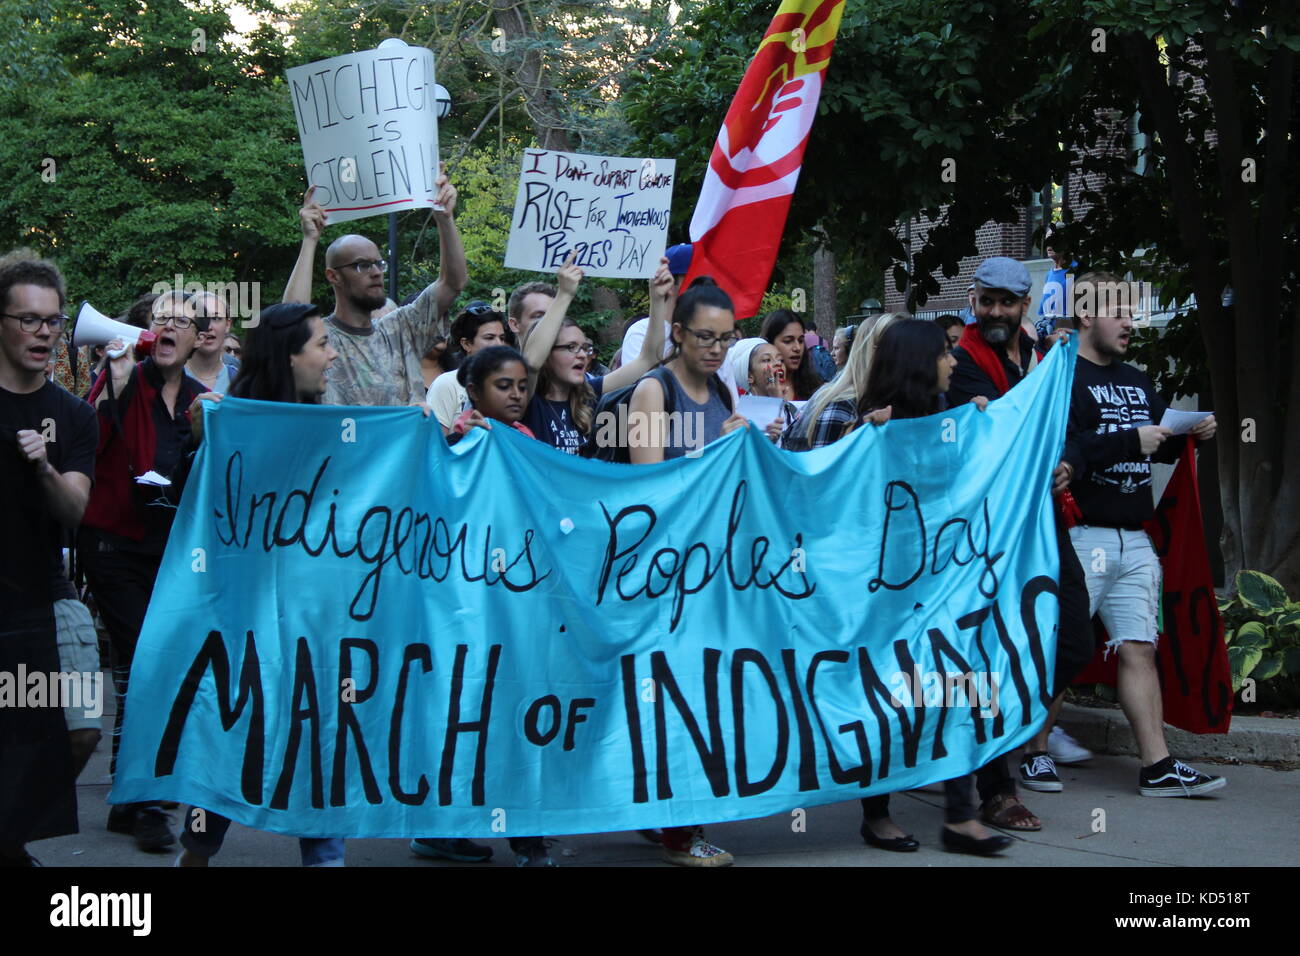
707, 340
362, 266
33, 323
573, 348
180, 321
480, 308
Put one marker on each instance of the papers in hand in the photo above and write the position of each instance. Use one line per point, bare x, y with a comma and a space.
1180, 423
152, 478
761, 410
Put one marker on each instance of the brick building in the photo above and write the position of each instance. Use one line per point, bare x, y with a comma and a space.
1017, 239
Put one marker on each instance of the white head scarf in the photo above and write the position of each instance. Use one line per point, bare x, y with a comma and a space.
738, 357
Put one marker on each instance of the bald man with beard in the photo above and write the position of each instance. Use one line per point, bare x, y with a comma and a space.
379, 355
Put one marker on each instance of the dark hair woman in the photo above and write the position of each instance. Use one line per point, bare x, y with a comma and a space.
784, 330
910, 369
496, 381
703, 328
909, 375
286, 358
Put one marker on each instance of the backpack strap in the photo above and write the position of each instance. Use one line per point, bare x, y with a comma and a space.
661, 375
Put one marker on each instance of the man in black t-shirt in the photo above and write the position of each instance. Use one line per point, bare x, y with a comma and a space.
47, 460
1114, 436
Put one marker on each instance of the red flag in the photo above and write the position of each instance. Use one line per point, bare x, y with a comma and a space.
1194, 674
755, 164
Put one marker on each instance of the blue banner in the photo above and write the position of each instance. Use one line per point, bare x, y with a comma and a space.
358, 631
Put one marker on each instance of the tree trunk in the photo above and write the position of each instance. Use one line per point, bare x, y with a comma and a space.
540, 99
824, 312
1258, 469
605, 299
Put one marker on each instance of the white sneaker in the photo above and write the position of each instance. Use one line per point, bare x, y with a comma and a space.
1065, 749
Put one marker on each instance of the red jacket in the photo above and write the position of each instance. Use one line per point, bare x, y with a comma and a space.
113, 505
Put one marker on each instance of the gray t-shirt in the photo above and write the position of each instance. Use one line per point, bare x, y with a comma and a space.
381, 365
692, 425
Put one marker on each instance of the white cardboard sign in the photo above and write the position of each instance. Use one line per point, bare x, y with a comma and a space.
368, 123
612, 210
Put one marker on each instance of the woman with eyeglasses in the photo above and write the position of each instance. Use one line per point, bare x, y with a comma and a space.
477, 327
563, 393
144, 425
703, 328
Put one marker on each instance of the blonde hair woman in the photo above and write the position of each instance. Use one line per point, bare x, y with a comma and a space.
837, 407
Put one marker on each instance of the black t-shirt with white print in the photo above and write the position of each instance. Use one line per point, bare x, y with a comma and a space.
1112, 483
550, 421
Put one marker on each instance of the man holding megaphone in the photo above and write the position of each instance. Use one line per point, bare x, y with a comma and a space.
143, 412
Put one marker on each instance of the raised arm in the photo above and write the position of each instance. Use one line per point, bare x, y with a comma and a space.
453, 275
312, 219
541, 337
662, 296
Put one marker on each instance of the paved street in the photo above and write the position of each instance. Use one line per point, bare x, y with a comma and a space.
1254, 821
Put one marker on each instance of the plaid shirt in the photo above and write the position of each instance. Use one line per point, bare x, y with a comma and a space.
834, 423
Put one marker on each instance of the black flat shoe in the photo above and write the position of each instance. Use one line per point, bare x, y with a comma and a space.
903, 844
955, 842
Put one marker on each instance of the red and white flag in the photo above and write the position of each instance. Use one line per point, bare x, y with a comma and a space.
743, 203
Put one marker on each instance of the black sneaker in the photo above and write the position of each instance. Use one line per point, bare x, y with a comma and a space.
1173, 778
460, 850
121, 819
1038, 772
531, 852
152, 829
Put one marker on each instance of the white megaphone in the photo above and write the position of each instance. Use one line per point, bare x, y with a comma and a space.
92, 327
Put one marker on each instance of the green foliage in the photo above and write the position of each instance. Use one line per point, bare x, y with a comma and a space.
170, 154
1262, 630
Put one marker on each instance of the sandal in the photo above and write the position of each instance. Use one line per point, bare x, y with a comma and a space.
1006, 812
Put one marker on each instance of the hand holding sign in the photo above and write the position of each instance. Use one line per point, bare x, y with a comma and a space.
312, 215
661, 286
568, 276
369, 130
444, 204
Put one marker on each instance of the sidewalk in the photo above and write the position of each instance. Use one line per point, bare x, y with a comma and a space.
1253, 821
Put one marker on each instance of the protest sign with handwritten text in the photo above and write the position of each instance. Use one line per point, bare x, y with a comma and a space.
369, 130
611, 211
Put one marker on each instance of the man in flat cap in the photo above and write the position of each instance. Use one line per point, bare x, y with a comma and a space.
994, 353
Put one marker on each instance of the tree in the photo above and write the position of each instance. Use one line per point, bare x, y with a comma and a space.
154, 145
919, 86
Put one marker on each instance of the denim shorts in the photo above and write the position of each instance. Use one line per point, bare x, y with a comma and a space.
1123, 575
